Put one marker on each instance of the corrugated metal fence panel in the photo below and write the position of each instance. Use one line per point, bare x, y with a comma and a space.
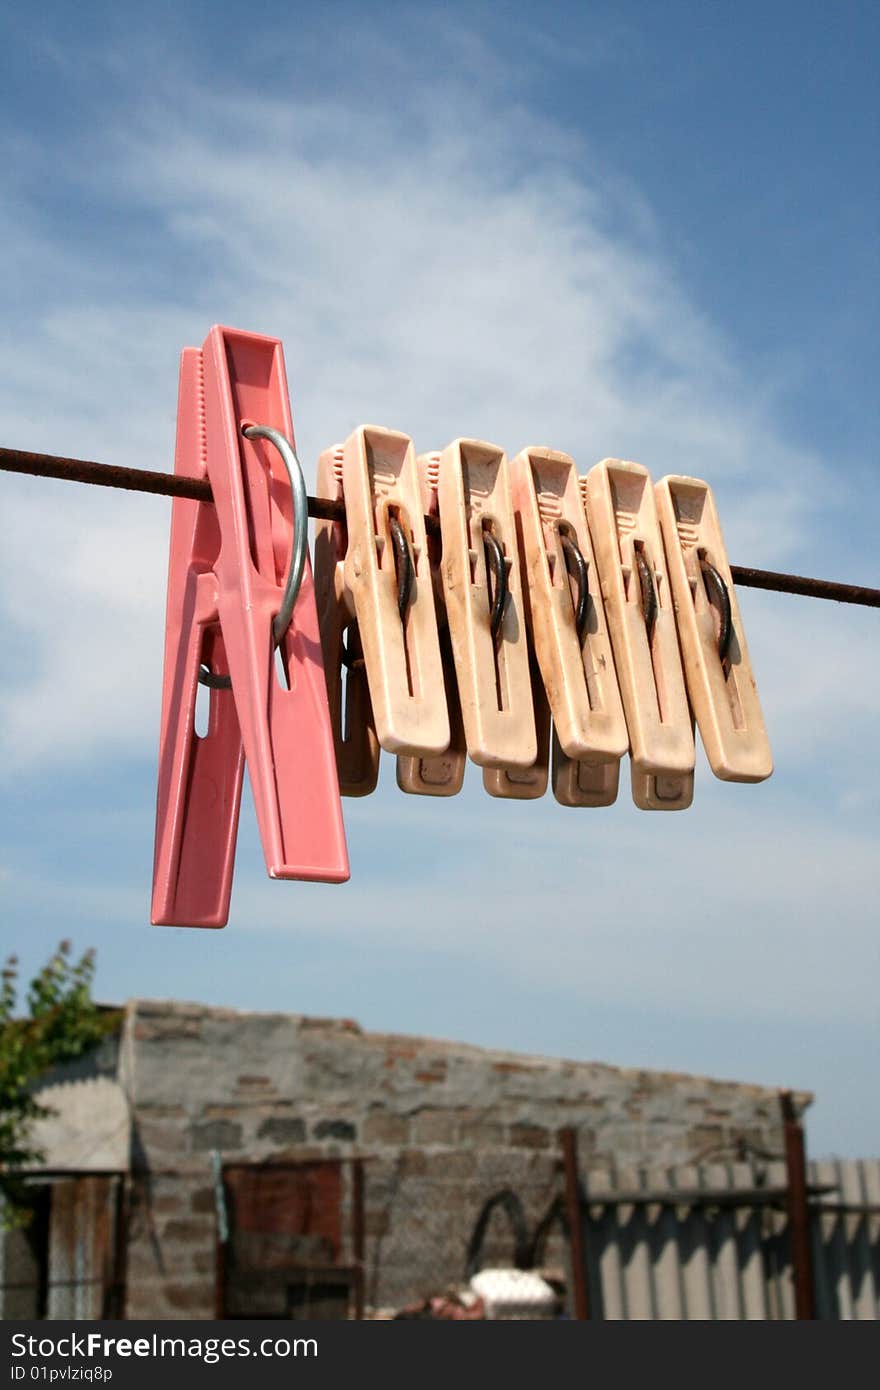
674, 1260
754, 1305
846, 1245
778, 1280
696, 1284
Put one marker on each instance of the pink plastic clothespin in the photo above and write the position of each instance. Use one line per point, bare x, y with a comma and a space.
240, 584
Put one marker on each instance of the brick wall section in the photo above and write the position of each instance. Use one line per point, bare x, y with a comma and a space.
443, 1124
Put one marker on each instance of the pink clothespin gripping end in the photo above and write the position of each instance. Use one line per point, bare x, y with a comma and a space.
266, 597
200, 778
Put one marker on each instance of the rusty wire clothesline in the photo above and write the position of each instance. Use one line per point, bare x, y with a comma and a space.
324, 508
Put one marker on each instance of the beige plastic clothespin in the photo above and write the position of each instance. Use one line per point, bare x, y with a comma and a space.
666, 793
387, 574
483, 597
579, 783
719, 674
351, 712
632, 569
568, 627
439, 774
526, 783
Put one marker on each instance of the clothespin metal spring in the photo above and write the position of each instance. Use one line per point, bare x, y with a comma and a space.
406, 573
579, 571
404, 563
298, 548
649, 593
497, 567
718, 594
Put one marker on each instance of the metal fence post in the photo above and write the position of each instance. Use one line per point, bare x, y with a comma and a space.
574, 1216
357, 1233
798, 1210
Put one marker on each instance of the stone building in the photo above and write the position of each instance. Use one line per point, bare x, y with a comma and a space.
212, 1162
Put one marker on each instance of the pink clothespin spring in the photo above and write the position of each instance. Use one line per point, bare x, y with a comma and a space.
239, 585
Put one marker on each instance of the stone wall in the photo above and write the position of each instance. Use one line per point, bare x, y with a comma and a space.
442, 1125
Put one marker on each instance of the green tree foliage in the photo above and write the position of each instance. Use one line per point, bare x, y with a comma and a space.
61, 1022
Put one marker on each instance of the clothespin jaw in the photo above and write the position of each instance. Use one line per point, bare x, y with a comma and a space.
438, 774
200, 778
632, 569
285, 726
720, 681
526, 783
566, 614
387, 574
580, 783
483, 598
348, 692
661, 793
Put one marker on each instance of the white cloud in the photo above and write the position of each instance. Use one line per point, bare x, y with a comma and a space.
717, 914
468, 281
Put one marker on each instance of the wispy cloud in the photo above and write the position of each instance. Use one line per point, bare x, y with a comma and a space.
460, 280
727, 915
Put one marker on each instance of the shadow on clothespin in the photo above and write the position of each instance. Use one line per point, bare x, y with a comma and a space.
240, 586
577, 782
526, 783
387, 575
718, 672
437, 774
200, 779
630, 555
568, 627
348, 692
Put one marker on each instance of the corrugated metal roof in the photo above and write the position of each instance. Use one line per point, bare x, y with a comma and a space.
89, 1129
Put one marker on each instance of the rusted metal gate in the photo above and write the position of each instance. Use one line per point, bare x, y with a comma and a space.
283, 1251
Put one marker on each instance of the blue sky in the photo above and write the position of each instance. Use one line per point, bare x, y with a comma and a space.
633, 230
